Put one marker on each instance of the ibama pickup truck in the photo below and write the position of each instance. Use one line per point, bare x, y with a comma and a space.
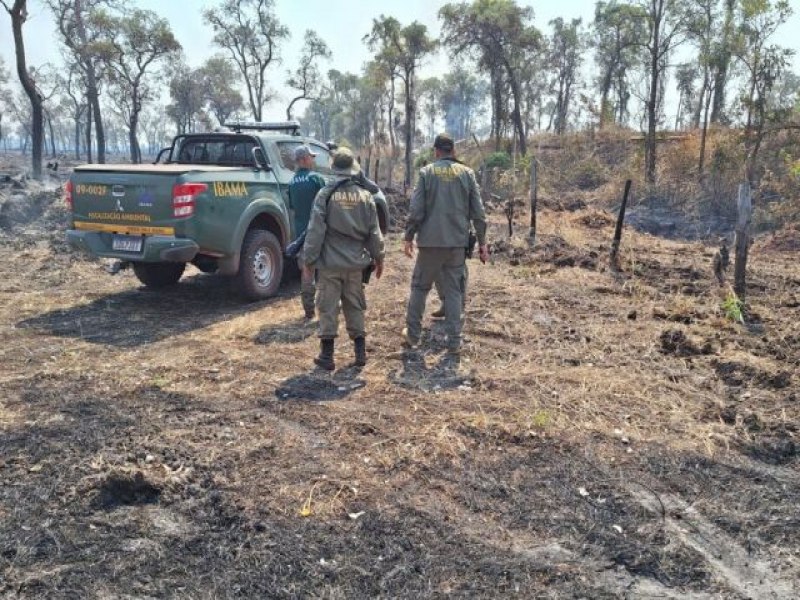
216, 200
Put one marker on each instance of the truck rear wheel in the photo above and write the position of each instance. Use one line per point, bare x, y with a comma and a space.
158, 275
261, 266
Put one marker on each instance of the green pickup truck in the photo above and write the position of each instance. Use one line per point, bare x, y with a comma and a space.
217, 200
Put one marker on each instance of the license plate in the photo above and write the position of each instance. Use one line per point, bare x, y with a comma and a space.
127, 243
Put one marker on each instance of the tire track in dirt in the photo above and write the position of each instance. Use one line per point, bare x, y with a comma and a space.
550, 554
747, 575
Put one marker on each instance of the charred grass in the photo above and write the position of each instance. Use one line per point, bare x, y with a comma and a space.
180, 443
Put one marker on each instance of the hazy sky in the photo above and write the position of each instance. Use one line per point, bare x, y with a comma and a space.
341, 23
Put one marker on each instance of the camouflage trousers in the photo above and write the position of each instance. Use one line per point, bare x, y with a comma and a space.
445, 266
347, 288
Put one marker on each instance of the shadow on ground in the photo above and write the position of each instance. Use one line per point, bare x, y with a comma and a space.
142, 316
319, 386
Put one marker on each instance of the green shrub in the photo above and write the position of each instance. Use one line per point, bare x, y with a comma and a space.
425, 157
501, 160
733, 307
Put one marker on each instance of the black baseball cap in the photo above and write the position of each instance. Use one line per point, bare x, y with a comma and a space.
444, 142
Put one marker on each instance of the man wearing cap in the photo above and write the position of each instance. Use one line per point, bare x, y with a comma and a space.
303, 188
343, 239
445, 200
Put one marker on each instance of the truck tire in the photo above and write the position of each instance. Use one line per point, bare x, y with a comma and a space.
158, 275
261, 266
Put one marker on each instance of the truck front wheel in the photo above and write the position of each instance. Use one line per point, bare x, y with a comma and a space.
158, 275
261, 266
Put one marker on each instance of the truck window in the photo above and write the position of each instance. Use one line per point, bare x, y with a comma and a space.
322, 162
234, 152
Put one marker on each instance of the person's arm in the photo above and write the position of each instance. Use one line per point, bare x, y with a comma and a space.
319, 181
367, 184
375, 245
315, 233
477, 215
416, 214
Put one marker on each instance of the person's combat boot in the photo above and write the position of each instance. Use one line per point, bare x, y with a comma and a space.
360, 347
325, 358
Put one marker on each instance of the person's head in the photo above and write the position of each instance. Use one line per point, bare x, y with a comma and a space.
304, 157
344, 163
443, 146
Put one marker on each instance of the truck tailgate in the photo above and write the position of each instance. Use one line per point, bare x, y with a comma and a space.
130, 202
131, 199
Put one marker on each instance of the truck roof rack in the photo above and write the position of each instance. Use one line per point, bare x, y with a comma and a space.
292, 127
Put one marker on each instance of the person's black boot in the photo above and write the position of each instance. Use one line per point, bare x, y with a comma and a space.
360, 346
325, 358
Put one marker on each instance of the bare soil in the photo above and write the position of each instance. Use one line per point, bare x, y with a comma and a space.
606, 434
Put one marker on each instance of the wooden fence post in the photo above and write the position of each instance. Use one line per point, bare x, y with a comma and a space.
618, 228
745, 205
534, 194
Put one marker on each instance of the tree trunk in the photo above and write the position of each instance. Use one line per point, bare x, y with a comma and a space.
78, 136
516, 116
534, 197
133, 135
89, 133
409, 133
392, 141
94, 111
704, 135
497, 103
745, 205
52, 136
652, 105
18, 13
723, 63
701, 101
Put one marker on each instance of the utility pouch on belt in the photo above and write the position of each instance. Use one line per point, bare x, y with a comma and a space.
472, 241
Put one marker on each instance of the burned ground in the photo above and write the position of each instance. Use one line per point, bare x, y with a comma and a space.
607, 433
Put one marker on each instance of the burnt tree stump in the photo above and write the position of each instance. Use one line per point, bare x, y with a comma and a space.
618, 228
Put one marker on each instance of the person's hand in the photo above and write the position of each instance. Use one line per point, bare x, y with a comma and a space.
378, 269
308, 271
408, 249
483, 253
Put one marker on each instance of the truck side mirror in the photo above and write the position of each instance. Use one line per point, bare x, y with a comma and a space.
259, 159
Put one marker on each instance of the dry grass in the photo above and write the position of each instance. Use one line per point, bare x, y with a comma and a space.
243, 451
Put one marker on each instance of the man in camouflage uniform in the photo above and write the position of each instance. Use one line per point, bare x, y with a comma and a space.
445, 201
303, 188
343, 239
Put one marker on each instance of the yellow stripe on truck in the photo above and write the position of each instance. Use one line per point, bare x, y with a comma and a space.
120, 228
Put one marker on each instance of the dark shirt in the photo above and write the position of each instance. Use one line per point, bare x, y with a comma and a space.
303, 189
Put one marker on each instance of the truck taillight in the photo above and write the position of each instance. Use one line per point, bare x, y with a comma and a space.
68, 194
183, 198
